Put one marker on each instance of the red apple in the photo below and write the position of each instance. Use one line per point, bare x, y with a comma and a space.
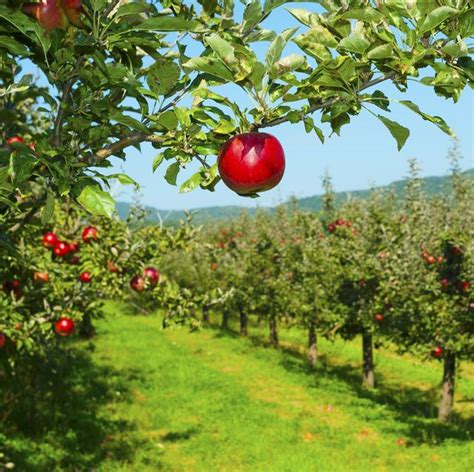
456, 251
444, 283
74, 247
64, 326
464, 286
90, 233
41, 277
48, 13
15, 140
378, 317
12, 286
440, 259
112, 267
331, 228
437, 352
251, 162
74, 260
50, 239
214, 266
85, 277
152, 275
431, 260
61, 249
73, 10
137, 283
3, 340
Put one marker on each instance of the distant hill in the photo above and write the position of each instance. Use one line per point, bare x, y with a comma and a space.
432, 185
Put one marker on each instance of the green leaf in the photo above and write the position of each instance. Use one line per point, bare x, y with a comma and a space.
29, 27
96, 201
277, 45
223, 49
124, 179
168, 120
399, 132
436, 17
436, 120
163, 76
355, 44
127, 121
210, 65
172, 173
380, 52
367, 13
287, 64
157, 161
48, 209
191, 183
13, 47
167, 23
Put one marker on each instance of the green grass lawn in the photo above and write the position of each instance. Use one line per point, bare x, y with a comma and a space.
142, 399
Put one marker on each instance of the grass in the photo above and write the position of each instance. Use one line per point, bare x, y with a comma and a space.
143, 399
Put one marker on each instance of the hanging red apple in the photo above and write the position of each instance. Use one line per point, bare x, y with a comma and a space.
152, 275
64, 326
50, 239
137, 283
90, 233
85, 277
48, 13
73, 10
251, 162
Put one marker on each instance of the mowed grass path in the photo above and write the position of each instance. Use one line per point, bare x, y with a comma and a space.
142, 399
210, 401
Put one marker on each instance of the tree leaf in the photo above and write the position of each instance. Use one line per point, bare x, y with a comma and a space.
172, 173
167, 23
436, 120
210, 65
399, 132
355, 44
124, 179
436, 17
277, 45
48, 209
163, 76
96, 201
380, 52
13, 47
157, 161
191, 183
223, 49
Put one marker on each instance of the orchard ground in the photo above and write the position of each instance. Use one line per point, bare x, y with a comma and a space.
144, 399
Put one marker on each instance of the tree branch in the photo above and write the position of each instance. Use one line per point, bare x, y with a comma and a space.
319, 106
130, 140
58, 123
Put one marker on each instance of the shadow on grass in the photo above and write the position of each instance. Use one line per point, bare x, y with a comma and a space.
411, 406
58, 421
176, 436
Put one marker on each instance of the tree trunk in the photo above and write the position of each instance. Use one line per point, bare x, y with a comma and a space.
243, 322
312, 345
225, 319
368, 361
447, 389
273, 331
87, 328
205, 314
